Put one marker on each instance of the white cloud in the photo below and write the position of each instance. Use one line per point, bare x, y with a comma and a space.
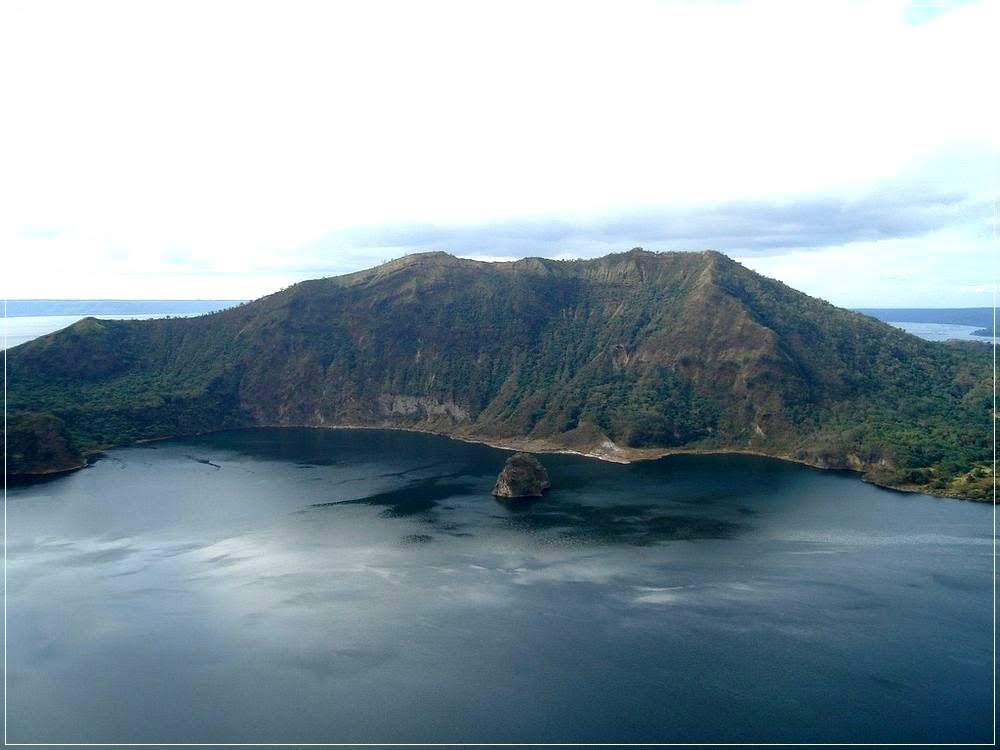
183, 149
930, 271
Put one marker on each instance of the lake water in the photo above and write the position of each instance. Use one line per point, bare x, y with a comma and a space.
363, 586
943, 331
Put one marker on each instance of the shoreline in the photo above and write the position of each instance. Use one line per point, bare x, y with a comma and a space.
619, 455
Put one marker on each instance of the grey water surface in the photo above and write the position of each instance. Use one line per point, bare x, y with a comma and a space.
363, 586
944, 331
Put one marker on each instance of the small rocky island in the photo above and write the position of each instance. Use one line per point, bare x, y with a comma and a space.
522, 476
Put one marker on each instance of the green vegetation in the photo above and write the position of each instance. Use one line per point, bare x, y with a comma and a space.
653, 351
38, 444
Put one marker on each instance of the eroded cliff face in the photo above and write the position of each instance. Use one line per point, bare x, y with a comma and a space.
624, 357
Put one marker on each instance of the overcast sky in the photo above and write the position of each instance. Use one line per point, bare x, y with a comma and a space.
225, 149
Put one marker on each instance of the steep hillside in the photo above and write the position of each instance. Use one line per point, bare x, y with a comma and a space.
627, 356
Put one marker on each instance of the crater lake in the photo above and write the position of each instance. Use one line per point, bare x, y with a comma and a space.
295, 585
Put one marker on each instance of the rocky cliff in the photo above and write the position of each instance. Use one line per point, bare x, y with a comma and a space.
522, 476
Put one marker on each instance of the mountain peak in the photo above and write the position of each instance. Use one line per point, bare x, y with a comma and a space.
630, 355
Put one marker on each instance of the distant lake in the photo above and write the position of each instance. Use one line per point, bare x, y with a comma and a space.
942, 331
977, 317
937, 324
363, 586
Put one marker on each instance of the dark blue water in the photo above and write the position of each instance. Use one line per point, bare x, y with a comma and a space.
354, 586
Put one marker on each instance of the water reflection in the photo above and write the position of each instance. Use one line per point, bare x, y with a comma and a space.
416, 497
619, 524
366, 587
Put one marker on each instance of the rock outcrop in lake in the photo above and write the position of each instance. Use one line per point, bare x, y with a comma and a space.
522, 476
